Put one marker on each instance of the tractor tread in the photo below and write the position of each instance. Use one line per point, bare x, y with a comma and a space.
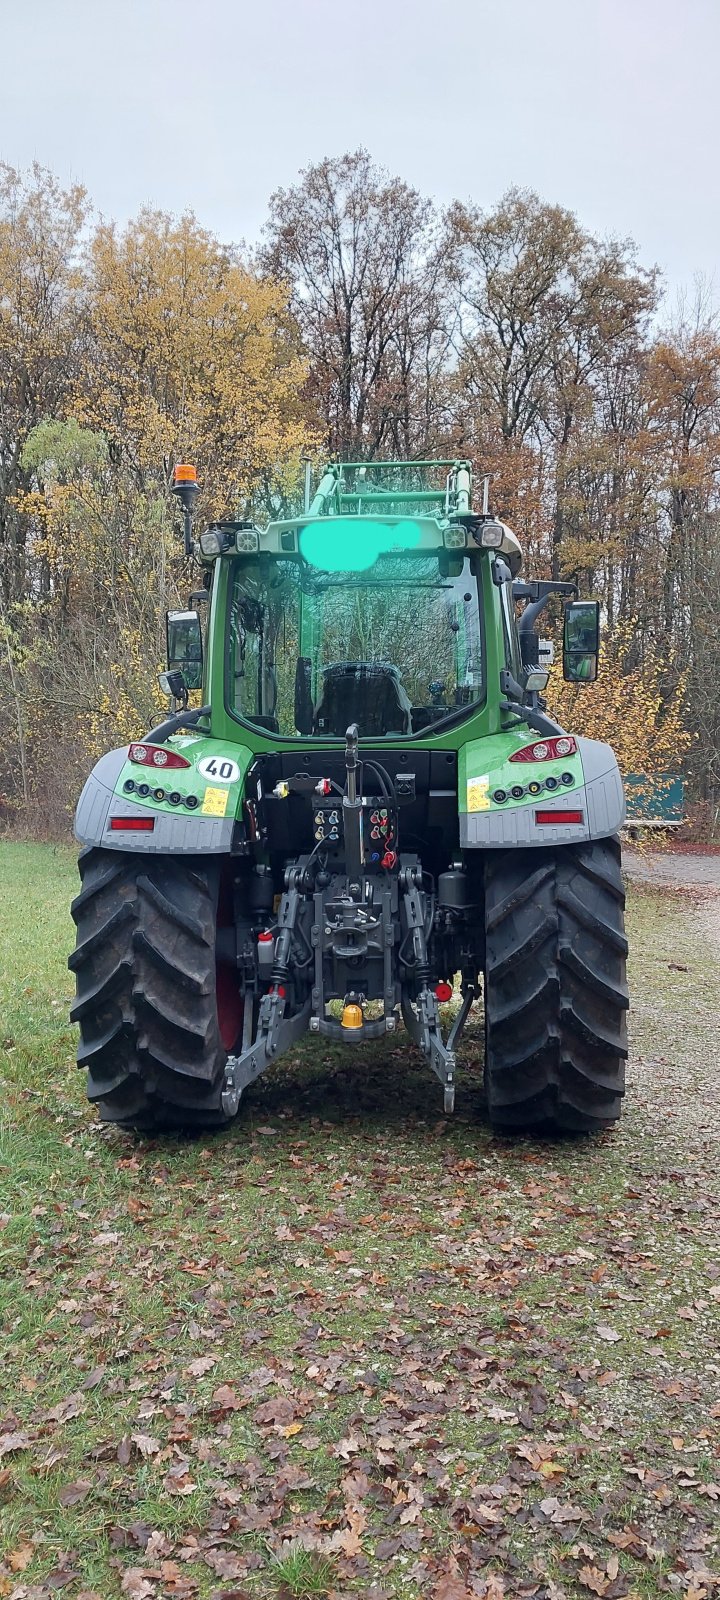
518, 896
146, 1004
99, 939
555, 989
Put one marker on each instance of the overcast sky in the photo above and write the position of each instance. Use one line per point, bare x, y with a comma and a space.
609, 107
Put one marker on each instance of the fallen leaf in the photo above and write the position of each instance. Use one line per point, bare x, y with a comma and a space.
345, 1448
10, 1442
225, 1563
594, 1579
73, 1493
19, 1559
200, 1366
178, 1481
145, 1444
279, 1411
136, 1585
609, 1334
158, 1545
451, 1589
559, 1513
72, 1406
227, 1397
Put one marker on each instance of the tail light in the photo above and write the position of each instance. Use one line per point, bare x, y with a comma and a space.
547, 749
558, 818
156, 755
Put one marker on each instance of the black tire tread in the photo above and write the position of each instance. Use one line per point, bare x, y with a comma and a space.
144, 965
555, 988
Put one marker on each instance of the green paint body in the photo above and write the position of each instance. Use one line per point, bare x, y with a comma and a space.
484, 746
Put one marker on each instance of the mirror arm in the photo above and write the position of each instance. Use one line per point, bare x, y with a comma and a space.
534, 719
182, 719
536, 588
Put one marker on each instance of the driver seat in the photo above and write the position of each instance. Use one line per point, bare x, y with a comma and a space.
369, 693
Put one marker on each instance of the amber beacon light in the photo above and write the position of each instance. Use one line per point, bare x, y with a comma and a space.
186, 486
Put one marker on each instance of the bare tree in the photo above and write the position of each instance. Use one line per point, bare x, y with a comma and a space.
368, 289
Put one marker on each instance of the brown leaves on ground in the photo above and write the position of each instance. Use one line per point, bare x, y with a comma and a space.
388, 1341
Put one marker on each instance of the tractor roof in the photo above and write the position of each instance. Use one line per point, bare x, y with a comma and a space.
396, 506
418, 505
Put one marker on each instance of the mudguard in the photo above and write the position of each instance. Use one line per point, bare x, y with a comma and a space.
600, 798
173, 832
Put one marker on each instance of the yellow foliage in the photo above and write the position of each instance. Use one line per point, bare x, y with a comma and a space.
631, 710
196, 358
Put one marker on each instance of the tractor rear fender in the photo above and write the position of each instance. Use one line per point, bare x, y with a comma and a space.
600, 798
174, 833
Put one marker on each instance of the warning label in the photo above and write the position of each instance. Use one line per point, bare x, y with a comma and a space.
478, 793
215, 802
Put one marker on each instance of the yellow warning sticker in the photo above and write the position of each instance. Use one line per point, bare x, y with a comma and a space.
215, 802
478, 793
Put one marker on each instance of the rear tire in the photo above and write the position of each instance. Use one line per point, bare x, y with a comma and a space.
147, 990
555, 988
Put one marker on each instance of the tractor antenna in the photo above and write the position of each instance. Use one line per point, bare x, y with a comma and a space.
186, 487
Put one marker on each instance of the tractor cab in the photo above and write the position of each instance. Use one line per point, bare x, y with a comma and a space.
367, 608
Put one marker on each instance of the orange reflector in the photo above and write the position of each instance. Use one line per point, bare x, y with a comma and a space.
352, 1017
185, 474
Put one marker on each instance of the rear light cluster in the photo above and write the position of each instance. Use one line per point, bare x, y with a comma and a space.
173, 796
547, 749
536, 786
155, 755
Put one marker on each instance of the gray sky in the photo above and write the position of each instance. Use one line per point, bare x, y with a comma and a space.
609, 107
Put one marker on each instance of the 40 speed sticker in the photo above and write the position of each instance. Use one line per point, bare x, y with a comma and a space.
219, 768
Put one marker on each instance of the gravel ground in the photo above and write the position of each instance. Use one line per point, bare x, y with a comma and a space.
697, 876
665, 866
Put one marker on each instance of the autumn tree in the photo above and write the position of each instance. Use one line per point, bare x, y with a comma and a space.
179, 350
367, 274
41, 347
193, 355
543, 310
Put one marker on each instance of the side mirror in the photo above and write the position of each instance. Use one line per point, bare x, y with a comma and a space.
303, 695
581, 641
185, 647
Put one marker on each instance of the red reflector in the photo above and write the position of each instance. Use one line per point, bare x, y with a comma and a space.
132, 824
558, 817
443, 992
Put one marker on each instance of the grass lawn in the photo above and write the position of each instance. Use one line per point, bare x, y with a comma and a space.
353, 1347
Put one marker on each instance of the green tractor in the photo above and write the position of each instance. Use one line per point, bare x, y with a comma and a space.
370, 802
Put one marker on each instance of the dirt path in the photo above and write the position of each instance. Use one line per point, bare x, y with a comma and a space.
697, 876
666, 866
